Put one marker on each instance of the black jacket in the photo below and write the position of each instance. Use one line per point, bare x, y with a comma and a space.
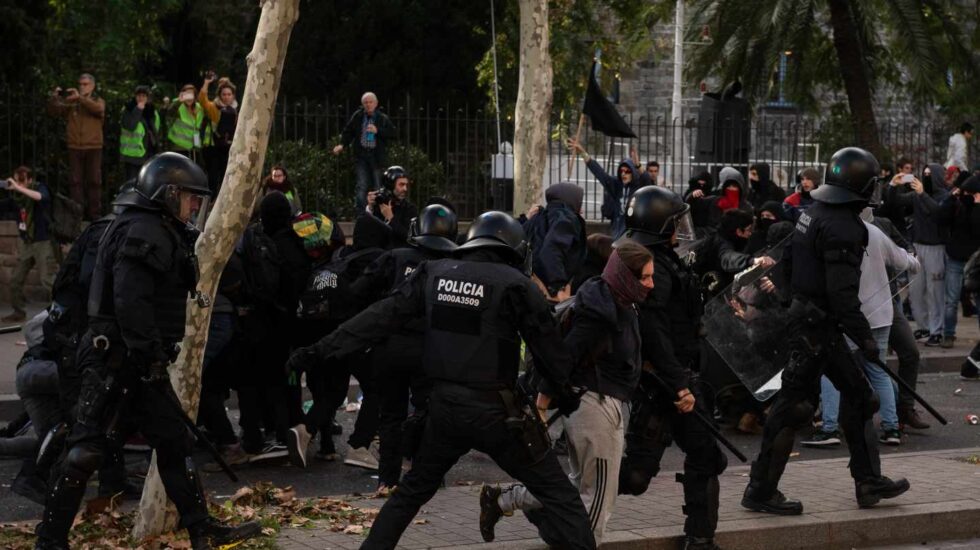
765, 189
670, 319
403, 212
604, 342
961, 217
557, 239
724, 257
351, 136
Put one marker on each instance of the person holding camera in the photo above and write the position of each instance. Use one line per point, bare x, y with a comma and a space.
367, 133
85, 116
34, 246
391, 205
139, 133
191, 130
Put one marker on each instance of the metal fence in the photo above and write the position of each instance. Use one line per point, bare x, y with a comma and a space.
460, 143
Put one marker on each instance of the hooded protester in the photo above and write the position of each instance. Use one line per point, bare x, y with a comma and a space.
557, 238
732, 194
761, 187
928, 291
767, 215
700, 196
723, 254
618, 189
807, 180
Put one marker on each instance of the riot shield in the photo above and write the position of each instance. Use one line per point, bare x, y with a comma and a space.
748, 327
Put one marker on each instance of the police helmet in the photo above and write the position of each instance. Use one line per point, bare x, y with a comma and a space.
654, 214
851, 177
499, 231
162, 179
435, 228
392, 174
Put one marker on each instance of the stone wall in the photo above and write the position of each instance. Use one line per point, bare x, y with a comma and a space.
8, 262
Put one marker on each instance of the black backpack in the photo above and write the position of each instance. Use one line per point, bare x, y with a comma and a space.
327, 295
261, 266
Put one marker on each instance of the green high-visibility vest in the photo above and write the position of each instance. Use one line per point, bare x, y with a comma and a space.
131, 141
183, 129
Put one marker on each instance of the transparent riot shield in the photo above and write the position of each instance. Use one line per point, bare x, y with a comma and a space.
748, 326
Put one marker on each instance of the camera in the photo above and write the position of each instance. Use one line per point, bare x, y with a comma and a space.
383, 196
211, 75
62, 93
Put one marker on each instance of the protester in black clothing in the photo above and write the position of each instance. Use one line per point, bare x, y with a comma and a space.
617, 189
700, 195
767, 215
144, 272
557, 239
670, 327
827, 248
598, 247
477, 310
761, 187
391, 205
367, 134
329, 385
723, 254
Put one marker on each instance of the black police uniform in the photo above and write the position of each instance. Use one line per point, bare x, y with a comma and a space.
474, 308
670, 322
397, 362
827, 248
143, 273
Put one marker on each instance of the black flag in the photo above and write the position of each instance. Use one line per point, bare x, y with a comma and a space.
603, 114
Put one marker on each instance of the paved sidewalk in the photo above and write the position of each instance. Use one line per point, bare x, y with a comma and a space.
943, 504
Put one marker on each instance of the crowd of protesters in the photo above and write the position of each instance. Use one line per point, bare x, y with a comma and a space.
926, 230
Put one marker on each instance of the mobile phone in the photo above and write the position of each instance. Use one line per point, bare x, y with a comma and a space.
908, 178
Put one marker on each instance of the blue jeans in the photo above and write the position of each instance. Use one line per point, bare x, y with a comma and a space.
954, 285
881, 382
368, 176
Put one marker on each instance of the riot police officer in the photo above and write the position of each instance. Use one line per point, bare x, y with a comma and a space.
670, 322
144, 271
476, 310
827, 248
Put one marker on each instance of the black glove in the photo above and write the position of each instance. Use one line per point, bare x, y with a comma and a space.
569, 400
156, 373
302, 359
869, 349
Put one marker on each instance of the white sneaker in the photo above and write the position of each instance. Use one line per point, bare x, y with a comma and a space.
361, 457
298, 439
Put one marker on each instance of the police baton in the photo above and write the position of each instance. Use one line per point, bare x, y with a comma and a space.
11, 329
701, 418
906, 387
171, 397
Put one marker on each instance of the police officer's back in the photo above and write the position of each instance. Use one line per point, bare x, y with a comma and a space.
476, 308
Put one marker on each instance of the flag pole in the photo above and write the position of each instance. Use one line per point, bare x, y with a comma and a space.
578, 134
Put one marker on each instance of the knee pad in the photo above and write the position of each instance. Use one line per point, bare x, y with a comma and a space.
81, 461
634, 476
800, 413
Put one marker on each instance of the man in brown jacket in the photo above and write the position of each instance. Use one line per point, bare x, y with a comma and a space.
85, 113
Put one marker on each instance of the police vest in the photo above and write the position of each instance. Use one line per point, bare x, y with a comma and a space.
469, 340
405, 260
131, 142
144, 237
183, 130
685, 305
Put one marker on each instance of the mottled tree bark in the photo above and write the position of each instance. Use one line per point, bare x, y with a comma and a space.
533, 107
225, 225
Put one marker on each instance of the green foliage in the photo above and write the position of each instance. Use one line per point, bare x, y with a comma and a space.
619, 29
326, 182
907, 43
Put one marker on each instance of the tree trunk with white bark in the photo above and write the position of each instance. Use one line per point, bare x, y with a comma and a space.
533, 107
225, 225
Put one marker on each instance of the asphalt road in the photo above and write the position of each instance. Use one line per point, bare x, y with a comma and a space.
323, 478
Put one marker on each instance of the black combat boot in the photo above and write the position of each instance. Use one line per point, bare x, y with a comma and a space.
210, 533
700, 543
776, 503
870, 491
